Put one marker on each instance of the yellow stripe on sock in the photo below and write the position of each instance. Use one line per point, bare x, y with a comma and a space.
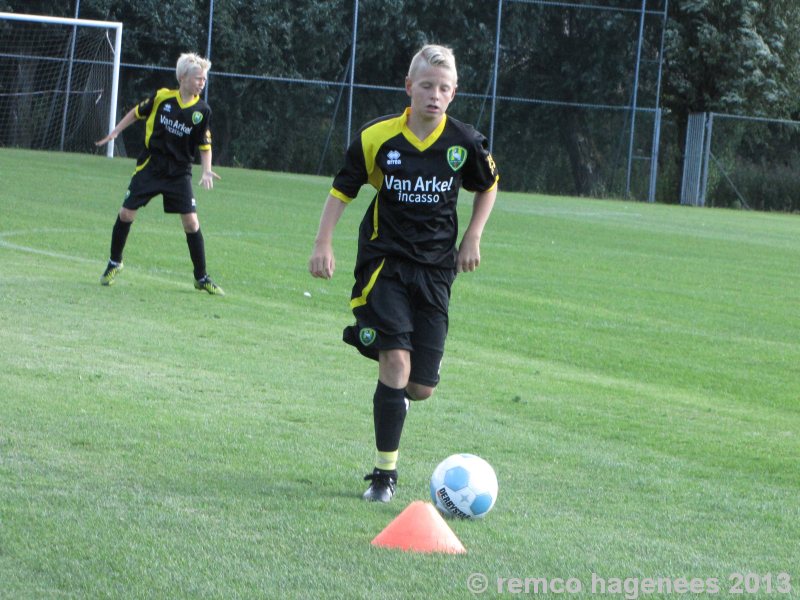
386, 461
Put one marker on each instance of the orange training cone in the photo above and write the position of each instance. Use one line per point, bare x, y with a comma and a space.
420, 528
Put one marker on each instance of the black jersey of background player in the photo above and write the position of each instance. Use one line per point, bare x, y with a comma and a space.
413, 214
173, 131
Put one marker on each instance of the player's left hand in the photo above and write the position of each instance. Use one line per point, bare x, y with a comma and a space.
469, 255
322, 262
207, 180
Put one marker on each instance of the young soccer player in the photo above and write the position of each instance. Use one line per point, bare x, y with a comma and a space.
177, 122
407, 254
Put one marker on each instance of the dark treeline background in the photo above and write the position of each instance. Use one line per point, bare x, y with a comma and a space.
728, 56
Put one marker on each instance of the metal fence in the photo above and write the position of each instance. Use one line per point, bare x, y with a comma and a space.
622, 135
741, 162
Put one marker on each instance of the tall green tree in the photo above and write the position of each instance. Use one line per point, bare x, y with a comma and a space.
731, 56
735, 56
570, 60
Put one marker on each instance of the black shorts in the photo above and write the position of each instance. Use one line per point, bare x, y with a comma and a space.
402, 305
176, 190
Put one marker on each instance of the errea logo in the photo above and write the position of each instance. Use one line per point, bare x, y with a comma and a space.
393, 157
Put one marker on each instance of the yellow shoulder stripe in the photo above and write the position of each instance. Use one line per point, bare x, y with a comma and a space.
161, 95
372, 138
337, 194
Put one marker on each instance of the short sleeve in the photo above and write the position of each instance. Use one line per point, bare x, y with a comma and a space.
144, 108
353, 174
480, 173
204, 143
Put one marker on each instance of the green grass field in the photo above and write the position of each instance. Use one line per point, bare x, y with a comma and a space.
630, 370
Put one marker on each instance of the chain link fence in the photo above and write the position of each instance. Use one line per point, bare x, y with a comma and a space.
553, 131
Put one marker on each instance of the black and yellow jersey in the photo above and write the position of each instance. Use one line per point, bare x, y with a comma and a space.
173, 131
413, 214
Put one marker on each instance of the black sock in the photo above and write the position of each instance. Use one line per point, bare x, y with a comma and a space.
389, 414
197, 251
119, 235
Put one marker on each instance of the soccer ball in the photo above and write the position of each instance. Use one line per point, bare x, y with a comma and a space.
464, 485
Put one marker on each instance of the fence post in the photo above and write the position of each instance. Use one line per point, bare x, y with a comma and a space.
494, 74
208, 43
657, 124
354, 39
709, 127
694, 161
65, 113
635, 99
651, 193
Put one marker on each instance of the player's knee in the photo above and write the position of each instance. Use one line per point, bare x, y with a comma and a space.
191, 224
396, 360
127, 215
417, 391
394, 367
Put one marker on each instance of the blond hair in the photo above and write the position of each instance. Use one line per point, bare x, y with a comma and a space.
189, 61
435, 56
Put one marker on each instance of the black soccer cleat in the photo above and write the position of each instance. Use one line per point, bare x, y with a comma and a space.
111, 272
382, 487
207, 285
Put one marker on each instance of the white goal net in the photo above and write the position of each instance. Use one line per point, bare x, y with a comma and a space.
58, 82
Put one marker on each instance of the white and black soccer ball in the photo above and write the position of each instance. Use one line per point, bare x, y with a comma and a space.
464, 485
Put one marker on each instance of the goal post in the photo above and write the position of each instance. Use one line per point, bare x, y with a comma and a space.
45, 64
